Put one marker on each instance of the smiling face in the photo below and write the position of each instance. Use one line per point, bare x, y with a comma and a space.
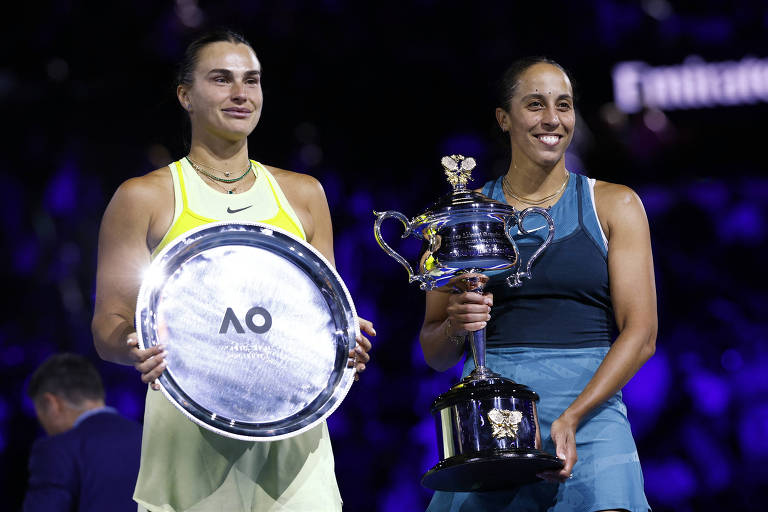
224, 99
540, 119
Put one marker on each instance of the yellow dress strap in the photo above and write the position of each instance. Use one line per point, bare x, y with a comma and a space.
184, 218
286, 217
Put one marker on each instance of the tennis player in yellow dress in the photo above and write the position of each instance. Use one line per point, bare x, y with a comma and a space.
183, 466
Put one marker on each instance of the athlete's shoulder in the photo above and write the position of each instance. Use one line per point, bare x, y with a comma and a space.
151, 188
618, 205
614, 195
296, 183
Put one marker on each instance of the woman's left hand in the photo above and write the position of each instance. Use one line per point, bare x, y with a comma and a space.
359, 355
563, 434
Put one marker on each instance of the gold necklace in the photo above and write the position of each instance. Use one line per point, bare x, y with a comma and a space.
507, 188
225, 189
218, 181
199, 168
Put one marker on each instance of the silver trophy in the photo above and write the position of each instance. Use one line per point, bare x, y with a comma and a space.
487, 425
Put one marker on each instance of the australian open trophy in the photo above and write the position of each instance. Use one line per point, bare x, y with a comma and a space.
487, 425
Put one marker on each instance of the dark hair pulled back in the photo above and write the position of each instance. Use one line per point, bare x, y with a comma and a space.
506, 87
185, 74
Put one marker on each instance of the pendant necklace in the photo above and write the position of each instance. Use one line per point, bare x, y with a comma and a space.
507, 188
218, 180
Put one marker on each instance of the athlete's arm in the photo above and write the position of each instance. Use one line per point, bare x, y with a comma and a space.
447, 315
123, 256
633, 295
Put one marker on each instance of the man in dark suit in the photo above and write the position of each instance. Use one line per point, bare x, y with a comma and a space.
90, 460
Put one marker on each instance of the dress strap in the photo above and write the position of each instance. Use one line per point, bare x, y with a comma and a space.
182, 186
494, 190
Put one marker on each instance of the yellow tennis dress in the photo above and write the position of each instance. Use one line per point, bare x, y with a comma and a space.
185, 467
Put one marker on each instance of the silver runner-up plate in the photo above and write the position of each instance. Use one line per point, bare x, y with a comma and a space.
257, 325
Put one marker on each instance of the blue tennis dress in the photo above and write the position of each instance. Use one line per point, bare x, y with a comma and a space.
551, 334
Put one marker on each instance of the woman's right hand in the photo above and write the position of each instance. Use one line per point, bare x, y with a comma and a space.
449, 316
149, 362
468, 311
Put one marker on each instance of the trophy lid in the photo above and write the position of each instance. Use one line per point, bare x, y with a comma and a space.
481, 389
461, 199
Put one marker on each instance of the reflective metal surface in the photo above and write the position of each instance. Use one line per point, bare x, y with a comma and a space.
487, 436
257, 326
463, 232
486, 424
465, 416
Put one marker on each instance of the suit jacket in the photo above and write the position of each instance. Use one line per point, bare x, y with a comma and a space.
92, 467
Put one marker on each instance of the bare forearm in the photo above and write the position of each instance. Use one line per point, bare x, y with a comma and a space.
629, 352
440, 352
110, 333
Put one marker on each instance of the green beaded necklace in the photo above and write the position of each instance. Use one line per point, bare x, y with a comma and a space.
199, 169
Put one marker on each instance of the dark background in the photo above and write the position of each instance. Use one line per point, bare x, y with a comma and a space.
367, 97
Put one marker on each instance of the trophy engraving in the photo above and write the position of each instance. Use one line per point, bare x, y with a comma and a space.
504, 422
466, 234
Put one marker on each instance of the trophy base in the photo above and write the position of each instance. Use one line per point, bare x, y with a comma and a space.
489, 471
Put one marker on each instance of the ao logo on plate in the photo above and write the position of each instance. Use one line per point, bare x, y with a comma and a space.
230, 319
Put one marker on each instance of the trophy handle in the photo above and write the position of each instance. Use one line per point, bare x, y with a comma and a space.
426, 281
515, 279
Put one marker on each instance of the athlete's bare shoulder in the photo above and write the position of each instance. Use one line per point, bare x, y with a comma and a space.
299, 188
617, 204
144, 202
151, 187
611, 195
298, 182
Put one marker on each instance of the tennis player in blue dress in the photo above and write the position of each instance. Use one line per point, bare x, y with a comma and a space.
579, 329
